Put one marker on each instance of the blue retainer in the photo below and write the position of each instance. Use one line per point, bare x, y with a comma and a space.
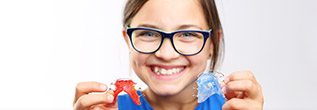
208, 85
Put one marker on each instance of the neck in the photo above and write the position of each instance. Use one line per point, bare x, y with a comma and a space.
181, 101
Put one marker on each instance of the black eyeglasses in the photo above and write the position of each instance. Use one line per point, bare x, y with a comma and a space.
185, 42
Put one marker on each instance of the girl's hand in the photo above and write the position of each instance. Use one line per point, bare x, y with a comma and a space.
86, 100
243, 92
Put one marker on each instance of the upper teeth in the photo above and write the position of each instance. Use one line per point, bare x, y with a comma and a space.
163, 71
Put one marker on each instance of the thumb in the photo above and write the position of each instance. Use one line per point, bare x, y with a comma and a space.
110, 98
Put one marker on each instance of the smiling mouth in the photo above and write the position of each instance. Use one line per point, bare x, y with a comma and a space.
167, 71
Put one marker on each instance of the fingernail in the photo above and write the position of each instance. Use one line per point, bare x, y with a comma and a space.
103, 87
222, 84
226, 80
224, 90
110, 97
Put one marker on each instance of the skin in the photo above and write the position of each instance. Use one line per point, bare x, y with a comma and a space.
175, 93
241, 88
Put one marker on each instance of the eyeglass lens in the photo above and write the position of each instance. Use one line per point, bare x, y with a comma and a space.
185, 42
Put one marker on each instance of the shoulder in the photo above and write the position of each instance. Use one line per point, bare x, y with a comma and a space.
126, 103
214, 102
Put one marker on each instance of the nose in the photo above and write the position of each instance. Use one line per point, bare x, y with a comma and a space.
166, 51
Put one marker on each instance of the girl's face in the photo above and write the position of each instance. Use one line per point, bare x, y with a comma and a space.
169, 16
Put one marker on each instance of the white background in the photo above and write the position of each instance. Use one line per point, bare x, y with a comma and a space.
47, 46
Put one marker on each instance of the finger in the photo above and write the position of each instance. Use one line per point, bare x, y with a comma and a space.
107, 106
240, 75
247, 87
110, 92
87, 87
235, 104
88, 100
111, 105
222, 84
97, 107
234, 94
102, 107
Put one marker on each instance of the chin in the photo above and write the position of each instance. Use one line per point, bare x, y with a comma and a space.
166, 90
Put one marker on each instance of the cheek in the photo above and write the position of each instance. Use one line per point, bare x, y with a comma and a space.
137, 61
199, 61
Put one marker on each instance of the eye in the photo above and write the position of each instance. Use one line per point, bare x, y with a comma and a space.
147, 34
189, 34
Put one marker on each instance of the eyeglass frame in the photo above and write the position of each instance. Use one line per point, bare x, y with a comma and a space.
206, 34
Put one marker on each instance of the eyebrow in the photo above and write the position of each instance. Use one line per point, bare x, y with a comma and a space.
148, 26
185, 26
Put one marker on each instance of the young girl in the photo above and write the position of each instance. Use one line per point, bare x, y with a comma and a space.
171, 42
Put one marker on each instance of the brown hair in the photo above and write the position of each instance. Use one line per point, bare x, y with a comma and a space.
132, 7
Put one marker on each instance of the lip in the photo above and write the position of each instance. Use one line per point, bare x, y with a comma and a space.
166, 77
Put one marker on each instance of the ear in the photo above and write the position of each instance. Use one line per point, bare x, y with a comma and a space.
125, 36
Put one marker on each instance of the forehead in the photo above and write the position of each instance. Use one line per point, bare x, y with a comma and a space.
170, 14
